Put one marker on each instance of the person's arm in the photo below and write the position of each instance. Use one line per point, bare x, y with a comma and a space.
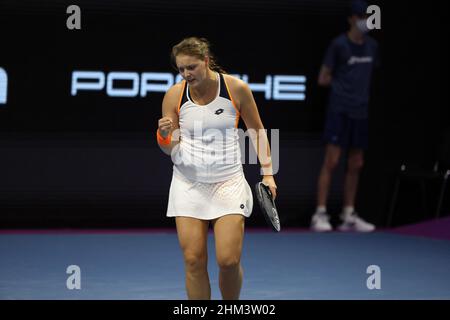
258, 136
168, 133
329, 62
325, 76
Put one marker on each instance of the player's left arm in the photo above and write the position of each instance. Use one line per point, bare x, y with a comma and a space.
255, 128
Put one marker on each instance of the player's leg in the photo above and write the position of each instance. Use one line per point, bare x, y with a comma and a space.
229, 236
193, 236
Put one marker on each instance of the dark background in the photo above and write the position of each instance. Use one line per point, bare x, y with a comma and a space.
92, 161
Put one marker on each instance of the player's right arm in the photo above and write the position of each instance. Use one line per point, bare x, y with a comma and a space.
168, 126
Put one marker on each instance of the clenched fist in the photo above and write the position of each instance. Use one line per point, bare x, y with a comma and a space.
165, 124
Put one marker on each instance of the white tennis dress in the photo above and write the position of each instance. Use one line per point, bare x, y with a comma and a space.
208, 180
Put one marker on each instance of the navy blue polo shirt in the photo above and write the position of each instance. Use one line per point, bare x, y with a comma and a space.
351, 65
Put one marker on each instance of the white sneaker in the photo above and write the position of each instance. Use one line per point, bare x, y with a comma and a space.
352, 222
320, 222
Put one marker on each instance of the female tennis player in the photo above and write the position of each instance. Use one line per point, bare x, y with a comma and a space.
198, 129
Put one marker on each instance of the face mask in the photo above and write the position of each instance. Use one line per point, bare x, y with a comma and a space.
361, 25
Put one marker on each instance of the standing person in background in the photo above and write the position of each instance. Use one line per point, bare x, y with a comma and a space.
347, 67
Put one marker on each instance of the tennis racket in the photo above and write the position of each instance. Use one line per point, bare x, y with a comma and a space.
267, 205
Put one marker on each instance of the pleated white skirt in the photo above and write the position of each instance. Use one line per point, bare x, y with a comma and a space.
208, 201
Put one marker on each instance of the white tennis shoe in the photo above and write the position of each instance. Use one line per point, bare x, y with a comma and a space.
320, 222
352, 222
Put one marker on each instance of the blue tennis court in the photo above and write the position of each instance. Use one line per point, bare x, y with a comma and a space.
294, 264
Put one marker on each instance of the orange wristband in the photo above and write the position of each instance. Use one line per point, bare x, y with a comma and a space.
161, 140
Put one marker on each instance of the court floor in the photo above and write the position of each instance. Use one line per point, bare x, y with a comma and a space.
290, 265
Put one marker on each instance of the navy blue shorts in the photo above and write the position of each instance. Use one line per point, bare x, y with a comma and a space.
346, 132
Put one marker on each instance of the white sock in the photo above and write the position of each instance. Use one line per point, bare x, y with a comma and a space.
321, 209
347, 210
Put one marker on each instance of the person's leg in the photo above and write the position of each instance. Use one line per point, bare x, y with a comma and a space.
336, 136
350, 219
320, 220
332, 155
359, 139
354, 165
193, 235
229, 235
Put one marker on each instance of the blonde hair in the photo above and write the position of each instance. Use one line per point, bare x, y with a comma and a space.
196, 47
